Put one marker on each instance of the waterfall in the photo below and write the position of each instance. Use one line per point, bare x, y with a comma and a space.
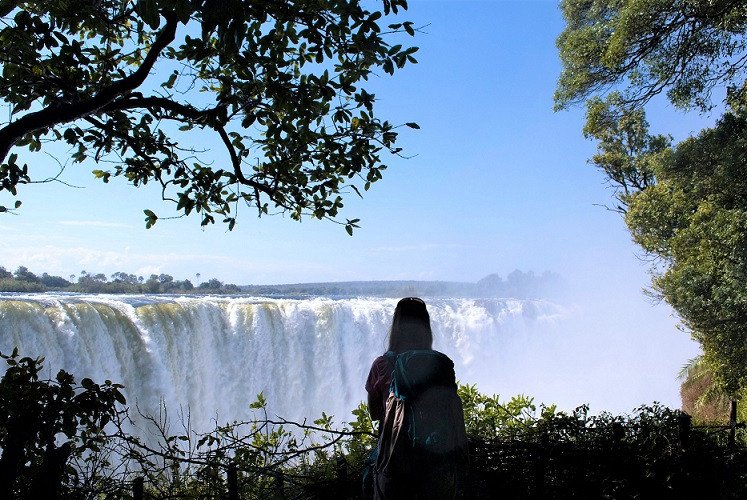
213, 355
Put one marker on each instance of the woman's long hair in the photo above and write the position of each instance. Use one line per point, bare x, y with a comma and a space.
411, 326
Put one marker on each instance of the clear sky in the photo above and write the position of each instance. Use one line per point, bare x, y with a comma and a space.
497, 181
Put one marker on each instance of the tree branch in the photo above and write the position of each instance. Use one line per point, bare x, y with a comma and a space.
64, 112
208, 117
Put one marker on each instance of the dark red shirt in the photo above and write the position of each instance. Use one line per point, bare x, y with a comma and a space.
379, 378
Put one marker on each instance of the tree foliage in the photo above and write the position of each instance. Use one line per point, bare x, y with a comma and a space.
701, 397
625, 150
684, 48
143, 87
23, 280
47, 424
23, 274
695, 218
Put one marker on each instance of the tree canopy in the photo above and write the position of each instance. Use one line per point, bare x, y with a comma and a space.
684, 48
685, 204
625, 150
137, 86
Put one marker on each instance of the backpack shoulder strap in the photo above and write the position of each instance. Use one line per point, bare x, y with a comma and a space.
392, 357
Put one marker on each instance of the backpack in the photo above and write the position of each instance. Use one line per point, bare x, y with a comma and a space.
422, 436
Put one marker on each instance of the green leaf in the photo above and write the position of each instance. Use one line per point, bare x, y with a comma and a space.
183, 11
150, 218
70, 136
260, 402
170, 82
101, 174
148, 10
413, 125
120, 397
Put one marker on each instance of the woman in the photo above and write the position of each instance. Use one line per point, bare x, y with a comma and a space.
411, 329
410, 467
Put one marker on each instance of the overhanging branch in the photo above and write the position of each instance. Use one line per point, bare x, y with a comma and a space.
208, 118
64, 112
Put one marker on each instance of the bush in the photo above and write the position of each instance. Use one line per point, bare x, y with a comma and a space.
46, 425
54, 446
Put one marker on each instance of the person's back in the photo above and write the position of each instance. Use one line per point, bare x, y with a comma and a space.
422, 451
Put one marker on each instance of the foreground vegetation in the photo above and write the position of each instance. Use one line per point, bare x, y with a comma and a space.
64, 440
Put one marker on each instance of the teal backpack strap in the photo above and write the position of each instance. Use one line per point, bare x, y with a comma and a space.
392, 357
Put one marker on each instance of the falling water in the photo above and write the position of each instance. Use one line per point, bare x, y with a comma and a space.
213, 355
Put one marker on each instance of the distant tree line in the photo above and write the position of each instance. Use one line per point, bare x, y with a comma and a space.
518, 284
23, 280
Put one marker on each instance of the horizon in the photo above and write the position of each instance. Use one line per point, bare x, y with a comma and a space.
110, 277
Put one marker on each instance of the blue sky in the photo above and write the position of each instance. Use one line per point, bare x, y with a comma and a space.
497, 181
